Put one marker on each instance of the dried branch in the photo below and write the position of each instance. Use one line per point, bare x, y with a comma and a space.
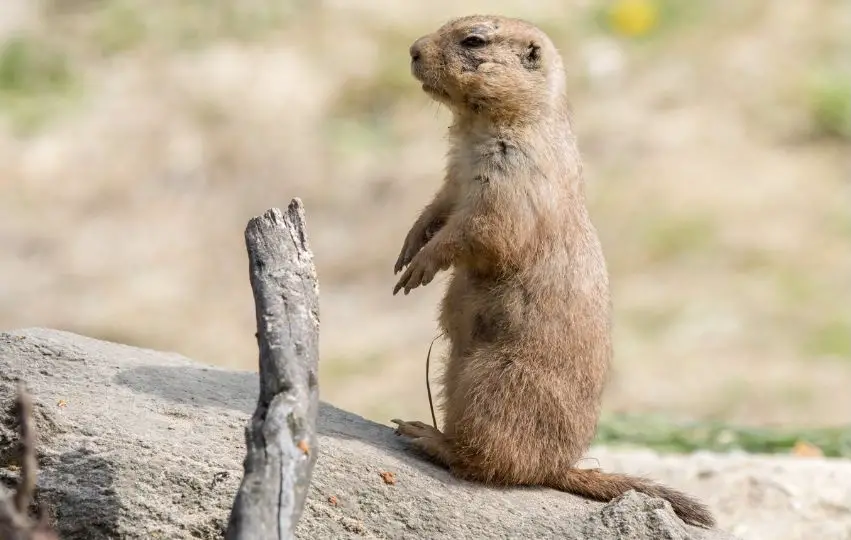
15, 523
281, 438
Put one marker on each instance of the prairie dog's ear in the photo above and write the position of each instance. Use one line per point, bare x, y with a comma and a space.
531, 57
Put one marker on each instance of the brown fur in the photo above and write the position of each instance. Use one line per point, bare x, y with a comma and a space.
527, 311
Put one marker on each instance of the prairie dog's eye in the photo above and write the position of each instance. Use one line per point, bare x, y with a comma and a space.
473, 41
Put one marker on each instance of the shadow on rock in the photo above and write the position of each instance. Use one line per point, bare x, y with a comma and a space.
238, 391
343, 425
78, 492
235, 390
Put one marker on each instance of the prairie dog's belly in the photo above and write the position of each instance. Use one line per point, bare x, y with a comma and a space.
480, 311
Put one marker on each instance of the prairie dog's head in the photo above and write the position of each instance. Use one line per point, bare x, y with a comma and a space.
490, 65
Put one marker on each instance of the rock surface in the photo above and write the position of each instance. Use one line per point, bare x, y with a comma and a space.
135, 443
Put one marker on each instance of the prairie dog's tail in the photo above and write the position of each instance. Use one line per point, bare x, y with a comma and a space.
602, 486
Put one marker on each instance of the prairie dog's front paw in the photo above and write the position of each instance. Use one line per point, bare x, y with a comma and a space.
417, 237
420, 272
415, 240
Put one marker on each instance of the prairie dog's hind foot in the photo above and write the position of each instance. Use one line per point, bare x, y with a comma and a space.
416, 429
427, 439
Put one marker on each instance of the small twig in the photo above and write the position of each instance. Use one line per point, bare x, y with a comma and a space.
428, 385
15, 523
26, 488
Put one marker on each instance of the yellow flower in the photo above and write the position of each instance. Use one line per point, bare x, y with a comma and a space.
633, 17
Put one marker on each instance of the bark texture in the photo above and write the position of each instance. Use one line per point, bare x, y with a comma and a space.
281, 439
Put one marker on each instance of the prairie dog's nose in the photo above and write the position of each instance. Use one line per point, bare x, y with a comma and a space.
416, 50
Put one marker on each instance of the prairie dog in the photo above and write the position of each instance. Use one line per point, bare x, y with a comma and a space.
527, 311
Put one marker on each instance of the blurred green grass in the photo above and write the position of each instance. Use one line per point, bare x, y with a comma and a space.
36, 79
674, 238
645, 21
663, 435
829, 103
830, 337
109, 27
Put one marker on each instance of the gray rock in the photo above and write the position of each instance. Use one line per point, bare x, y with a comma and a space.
135, 443
633, 516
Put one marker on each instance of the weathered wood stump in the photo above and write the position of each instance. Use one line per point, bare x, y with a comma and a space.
281, 437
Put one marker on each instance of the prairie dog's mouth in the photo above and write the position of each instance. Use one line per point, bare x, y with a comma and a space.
416, 70
423, 78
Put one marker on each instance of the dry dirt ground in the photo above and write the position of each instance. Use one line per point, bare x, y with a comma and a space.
137, 138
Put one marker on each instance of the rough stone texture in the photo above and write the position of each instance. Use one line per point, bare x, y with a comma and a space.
634, 515
135, 443
777, 497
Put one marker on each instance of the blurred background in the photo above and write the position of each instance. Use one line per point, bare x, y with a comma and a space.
138, 137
